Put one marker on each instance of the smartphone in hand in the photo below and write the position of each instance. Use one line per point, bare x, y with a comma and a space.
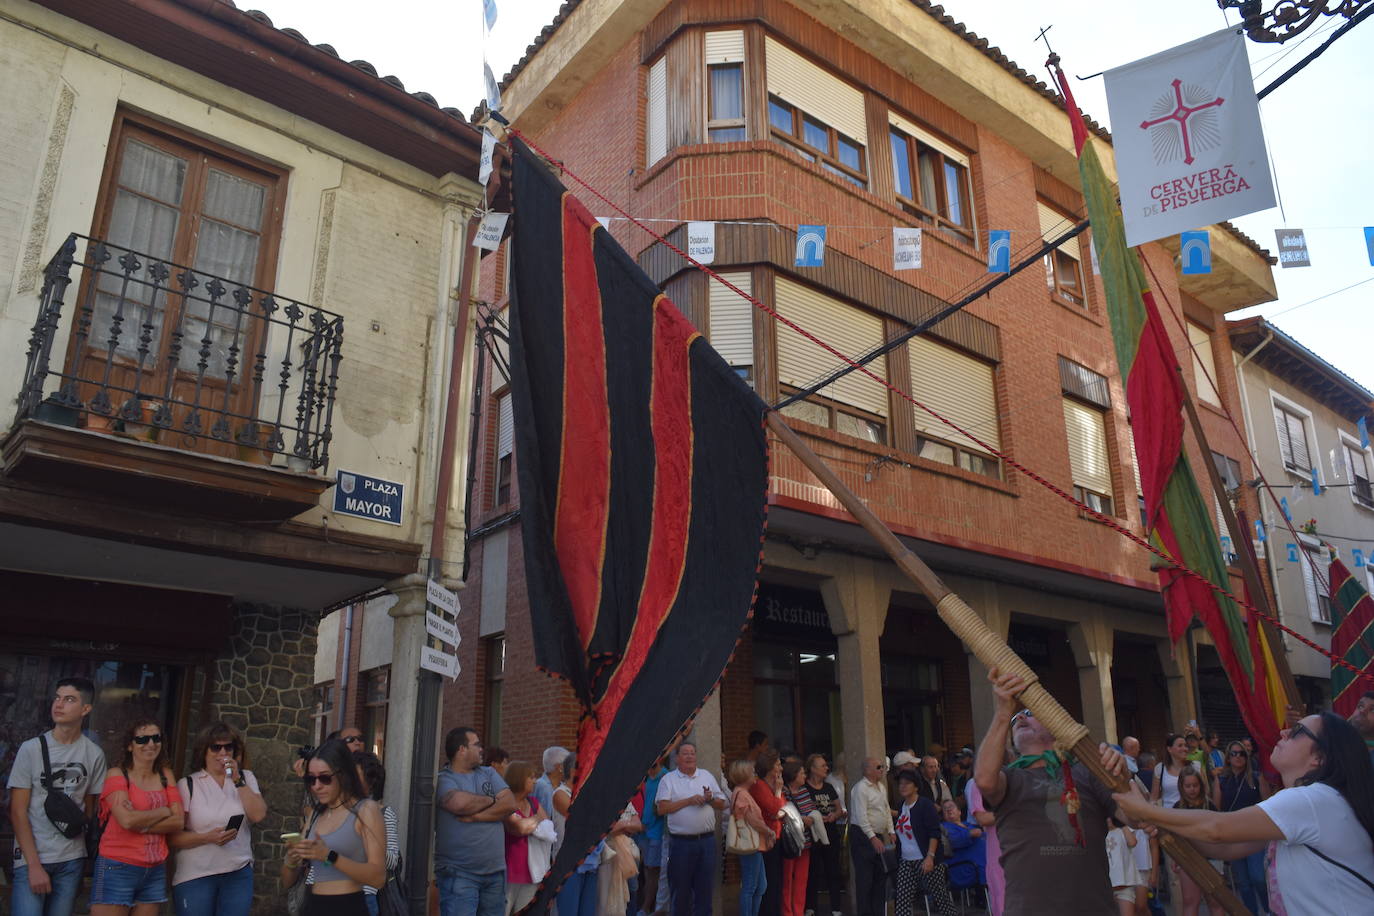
290, 839
235, 823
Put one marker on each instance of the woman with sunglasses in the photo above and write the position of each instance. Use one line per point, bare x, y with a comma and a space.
214, 866
345, 838
1318, 829
1243, 786
139, 807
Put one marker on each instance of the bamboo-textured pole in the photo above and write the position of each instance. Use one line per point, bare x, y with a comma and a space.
993, 651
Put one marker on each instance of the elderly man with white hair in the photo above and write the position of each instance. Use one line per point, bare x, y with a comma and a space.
1051, 812
552, 778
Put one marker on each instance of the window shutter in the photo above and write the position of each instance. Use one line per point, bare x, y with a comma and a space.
1222, 530
505, 426
1053, 225
1135, 465
796, 80
912, 130
1285, 443
955, 386
656, 113
1292, 439
1316, 574
847, 329
732, 319
1202, 345
725, 47
1086, 429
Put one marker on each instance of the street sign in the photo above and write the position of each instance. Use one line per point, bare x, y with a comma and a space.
371, 498
440, 597
441, 629
439, 662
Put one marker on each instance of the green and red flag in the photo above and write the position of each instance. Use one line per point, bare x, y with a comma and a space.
1352, 638
1177, 515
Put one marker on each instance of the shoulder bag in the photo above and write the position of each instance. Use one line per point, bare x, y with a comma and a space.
65, 814
392, 897
740, 838
297, 893
1322, 855
793, 839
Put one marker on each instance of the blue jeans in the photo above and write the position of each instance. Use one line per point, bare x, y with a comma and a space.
1250, 882
463, 894
691, 868
371, 901
120, 884
577, 896
65, 878
752, 883
229, 894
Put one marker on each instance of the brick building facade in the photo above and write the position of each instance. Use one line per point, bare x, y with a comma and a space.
765, 116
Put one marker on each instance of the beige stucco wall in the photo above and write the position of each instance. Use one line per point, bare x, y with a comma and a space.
1335, 509
364, 235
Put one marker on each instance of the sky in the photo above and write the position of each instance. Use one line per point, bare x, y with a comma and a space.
1319, 125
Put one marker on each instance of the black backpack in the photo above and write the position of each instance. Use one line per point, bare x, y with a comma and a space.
66, 815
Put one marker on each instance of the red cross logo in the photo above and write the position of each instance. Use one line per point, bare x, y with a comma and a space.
1180, 115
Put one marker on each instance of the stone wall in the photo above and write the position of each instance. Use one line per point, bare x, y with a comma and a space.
264, 686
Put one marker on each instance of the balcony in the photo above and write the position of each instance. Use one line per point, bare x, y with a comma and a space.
168, 384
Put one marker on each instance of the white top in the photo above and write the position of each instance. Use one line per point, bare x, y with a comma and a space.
209, 807
1318, 816
868, 809
559, 820
693, 819
911, 850
1121, 867
77, 769
1142, 851
1168, 786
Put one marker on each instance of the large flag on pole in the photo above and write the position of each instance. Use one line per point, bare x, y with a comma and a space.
643, 474
1352, 637
1177, 517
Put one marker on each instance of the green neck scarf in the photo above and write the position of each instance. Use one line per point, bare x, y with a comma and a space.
1052, 760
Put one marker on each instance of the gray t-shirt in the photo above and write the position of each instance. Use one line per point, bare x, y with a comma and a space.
1047, 871
77, 769
475, 848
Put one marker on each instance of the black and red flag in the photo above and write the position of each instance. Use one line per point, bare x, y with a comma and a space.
643, 471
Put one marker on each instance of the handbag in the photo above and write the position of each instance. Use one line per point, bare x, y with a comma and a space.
793, 832
296, 894
64, 814
740, 838
393, 899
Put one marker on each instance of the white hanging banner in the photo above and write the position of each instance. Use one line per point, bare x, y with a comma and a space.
493, 89
490, 230
906, 248
484, 164
1187, 137
701, 242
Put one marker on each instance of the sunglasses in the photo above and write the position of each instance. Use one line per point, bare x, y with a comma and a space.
353, 739
144, 739
1023, 714
324, 779
1239, 754
1301, 729
222, 747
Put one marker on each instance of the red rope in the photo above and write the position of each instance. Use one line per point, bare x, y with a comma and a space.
1082, 507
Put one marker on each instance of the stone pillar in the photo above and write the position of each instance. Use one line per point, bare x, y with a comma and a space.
264, 687
706, 733
856, 599
983, 597
1091, 641
407, 638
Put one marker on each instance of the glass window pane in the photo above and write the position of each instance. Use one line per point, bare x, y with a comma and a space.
849, 153
817, 667
772, 661
727, 92
815, 134
820, 720
780, 114
861, 427
901, 163
808, 412
1068, 271
152, 172
955, 197
727, 134
234, 200
773, 713
935, 451
980, 464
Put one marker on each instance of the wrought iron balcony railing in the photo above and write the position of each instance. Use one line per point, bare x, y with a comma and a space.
186, 358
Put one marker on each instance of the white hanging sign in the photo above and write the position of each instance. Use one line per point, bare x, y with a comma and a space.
1187, 137
906, 248
701, 242
441, 629
484, 164
440, 597
439, 662
490, 230
493, 88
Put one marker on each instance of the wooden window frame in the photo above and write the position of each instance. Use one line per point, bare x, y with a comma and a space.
1059, 263
502, 466
827, 158
494, 676
1361, 493
833, 408
740, 123
921, 209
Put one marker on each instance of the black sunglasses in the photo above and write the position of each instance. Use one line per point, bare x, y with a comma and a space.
1301, 729
353, 739
144, 739
324, 779
1239, 754
219, 747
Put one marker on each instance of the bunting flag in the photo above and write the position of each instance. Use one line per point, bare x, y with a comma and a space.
643, 473
1195, 252
810, 246
999, 251
1316, 484
1178, 518
1352, 637
1363, 426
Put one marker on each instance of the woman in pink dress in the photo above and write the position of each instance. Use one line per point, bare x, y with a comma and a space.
521, 822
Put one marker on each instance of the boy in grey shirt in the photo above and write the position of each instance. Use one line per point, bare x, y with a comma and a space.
47, 865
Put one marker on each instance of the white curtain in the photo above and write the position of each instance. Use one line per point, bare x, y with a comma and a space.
230, 235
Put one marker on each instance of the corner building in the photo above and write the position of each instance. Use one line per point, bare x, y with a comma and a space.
767, 115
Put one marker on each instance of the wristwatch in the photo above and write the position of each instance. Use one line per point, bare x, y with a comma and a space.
240, 782
332, 857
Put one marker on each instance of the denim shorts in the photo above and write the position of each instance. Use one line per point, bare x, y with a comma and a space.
119, 884
650, 851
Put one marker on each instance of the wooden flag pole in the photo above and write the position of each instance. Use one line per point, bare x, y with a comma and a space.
993, 651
